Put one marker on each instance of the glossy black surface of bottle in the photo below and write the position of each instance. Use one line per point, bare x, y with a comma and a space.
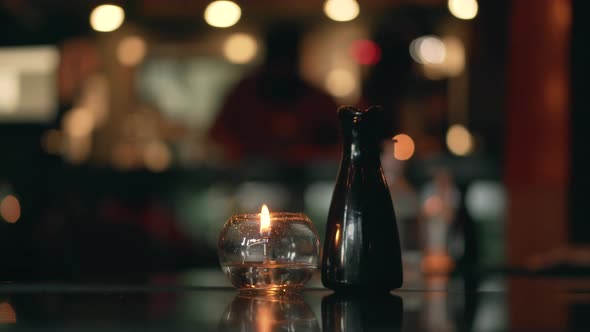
362, 248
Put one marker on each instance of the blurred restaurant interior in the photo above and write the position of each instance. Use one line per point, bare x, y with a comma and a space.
131, 130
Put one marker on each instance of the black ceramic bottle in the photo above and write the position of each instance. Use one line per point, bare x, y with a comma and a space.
361, 249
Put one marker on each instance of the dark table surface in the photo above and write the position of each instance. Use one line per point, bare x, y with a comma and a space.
201, 300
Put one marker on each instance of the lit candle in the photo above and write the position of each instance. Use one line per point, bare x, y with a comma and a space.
269, 254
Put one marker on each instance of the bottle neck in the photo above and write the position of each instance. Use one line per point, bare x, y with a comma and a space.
360, 146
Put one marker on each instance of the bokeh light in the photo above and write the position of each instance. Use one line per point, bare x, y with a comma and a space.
10, 209
240, 48
7, 313
365, 52
432, 50
404, 147
78, 149
106, 18
156, 156
454, 63
454, 60
131, 50
9, 90
438, 264
340, 83
78, 122
463, 9
433, 206
428, 50
341, 10
222, 14
459, 140
486, 200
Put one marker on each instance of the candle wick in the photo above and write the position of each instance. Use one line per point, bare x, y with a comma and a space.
264, 247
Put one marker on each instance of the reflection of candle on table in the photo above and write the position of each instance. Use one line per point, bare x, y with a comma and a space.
264, 227
264, 318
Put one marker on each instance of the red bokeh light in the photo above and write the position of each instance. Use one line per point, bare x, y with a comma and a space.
365, 52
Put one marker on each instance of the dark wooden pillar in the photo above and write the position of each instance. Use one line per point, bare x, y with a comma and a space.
538, 151
537, 160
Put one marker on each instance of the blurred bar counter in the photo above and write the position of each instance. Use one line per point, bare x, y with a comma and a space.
87, 222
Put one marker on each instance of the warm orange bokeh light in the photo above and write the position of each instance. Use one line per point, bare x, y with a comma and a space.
437, 263
10, 209
404, 147
433, 206
78, 122
459, 140
341, 83
240, 48
157, 156
131, 50
264, 220
7, 314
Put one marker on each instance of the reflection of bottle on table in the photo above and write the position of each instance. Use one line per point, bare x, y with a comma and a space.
346, 312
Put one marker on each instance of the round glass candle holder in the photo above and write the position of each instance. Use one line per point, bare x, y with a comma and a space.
277, 260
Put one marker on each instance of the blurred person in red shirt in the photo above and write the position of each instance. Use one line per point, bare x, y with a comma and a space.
273, 113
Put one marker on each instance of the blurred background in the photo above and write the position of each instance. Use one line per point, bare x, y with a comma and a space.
131, 130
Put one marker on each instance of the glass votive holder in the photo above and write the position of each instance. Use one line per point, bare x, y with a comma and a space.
269, 254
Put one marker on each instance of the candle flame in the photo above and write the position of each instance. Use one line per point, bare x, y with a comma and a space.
264, 219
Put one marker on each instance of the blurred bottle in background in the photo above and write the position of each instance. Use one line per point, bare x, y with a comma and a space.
440, 199
405, 201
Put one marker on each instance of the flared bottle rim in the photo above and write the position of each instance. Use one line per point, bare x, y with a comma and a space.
355, 111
